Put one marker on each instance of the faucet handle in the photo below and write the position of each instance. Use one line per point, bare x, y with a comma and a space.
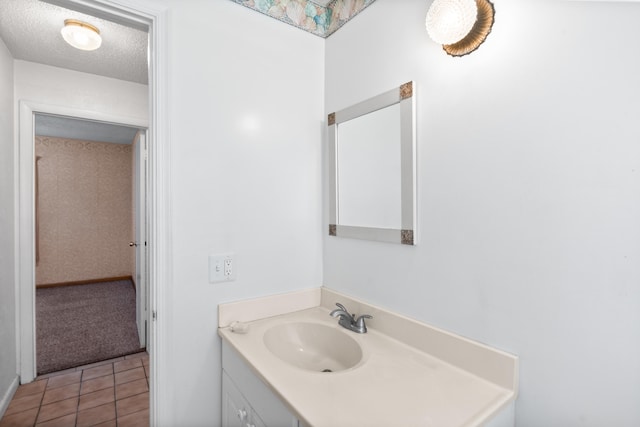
342, 307
364, 316
359, 323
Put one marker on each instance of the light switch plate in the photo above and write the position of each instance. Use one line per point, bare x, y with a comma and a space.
222, 268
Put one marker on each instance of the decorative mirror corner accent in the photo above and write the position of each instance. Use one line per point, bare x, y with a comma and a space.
406, 237
372, 168
406, 90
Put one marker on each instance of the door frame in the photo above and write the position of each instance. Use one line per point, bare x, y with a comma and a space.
139, 191
28, 110
155, 16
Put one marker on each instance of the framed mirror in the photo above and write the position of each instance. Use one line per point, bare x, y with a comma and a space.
372, 168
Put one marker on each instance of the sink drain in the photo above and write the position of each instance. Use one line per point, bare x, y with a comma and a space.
326, 370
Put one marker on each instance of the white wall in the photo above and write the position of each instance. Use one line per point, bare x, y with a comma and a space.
60, 87
7, 205
246, 95
529, 195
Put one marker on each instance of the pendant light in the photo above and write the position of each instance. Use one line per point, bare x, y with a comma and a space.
460, 26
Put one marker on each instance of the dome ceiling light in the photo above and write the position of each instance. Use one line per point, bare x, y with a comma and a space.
81, 35
460, 26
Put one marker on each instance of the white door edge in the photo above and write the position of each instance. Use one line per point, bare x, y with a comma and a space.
140, 234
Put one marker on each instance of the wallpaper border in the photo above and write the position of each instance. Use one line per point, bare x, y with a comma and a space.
307, 15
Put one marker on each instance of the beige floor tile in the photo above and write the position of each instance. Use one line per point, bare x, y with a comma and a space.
95, 384
131, 388
21, 419
147, 371
98, 371
61, 393
101, 363
97, 398
130, 375
133, 404
140, 355
66, 421
55, 374
136, 419
58, 409
31, 388
97, 415
23, 403
67, 402
62, 380
125, 365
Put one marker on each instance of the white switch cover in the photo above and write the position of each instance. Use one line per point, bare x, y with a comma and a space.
221, 268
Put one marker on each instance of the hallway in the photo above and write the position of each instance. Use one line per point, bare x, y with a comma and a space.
109, 393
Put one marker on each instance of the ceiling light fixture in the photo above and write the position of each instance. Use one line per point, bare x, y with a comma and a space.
81, 35
460, 26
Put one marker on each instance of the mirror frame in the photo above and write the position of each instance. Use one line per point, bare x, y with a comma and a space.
407, 234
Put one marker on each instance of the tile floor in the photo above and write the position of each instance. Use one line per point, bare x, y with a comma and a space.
107, 394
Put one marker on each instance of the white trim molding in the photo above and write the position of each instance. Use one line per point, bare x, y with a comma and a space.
8, 395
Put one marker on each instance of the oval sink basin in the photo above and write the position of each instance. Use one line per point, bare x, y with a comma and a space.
313, 346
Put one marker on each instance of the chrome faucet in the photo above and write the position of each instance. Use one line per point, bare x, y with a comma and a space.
350, 321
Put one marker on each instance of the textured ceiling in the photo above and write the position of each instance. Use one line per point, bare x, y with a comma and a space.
31, 31
84, 130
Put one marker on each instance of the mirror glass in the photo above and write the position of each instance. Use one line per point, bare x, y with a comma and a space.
369, 185
372, 168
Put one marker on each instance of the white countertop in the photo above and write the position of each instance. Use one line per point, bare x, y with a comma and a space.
394, 384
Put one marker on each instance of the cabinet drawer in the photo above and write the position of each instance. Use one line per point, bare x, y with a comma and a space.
268, 407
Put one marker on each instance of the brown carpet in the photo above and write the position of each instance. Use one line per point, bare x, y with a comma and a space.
82, 324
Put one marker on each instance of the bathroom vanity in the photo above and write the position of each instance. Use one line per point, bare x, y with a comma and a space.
246, 400
287, 362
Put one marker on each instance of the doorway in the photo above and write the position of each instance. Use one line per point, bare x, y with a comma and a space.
153, 16
90, 241
27, 228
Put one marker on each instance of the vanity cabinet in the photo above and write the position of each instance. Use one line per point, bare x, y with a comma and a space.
236, 411
246, 400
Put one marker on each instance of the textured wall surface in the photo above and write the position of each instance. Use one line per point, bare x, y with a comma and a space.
85, 210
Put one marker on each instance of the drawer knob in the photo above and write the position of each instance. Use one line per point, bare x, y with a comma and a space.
242, 414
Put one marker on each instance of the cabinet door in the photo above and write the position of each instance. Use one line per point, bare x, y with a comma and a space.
269, 410
235, 409
255, 421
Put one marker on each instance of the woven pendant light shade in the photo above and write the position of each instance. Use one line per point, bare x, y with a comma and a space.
449, 21
448, 24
